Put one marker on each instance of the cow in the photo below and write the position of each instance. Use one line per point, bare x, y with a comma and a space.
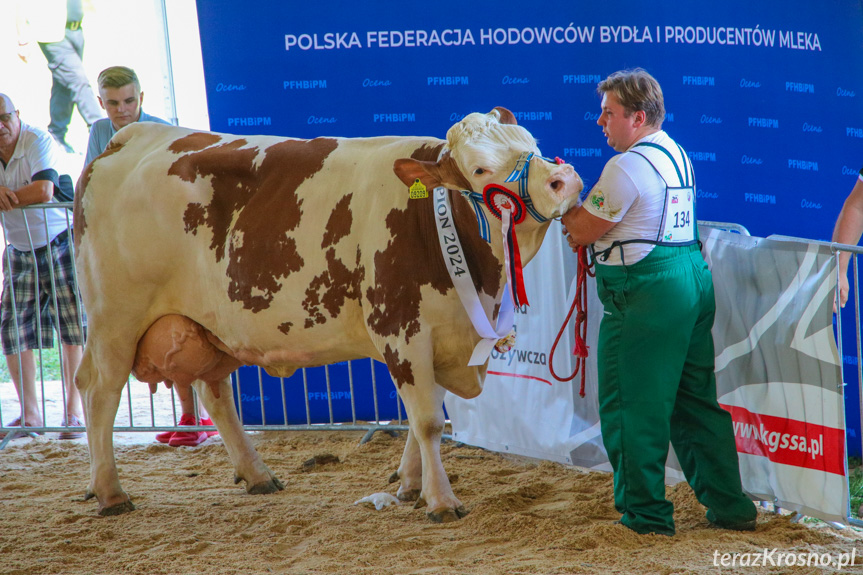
198, 252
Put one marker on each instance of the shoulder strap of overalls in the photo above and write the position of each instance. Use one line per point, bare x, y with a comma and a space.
686, 177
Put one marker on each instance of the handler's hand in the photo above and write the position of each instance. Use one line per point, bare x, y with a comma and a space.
569, 240
8, 199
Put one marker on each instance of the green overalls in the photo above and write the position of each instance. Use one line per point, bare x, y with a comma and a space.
657, 383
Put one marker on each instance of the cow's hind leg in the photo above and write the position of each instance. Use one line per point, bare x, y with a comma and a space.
101, 388
410, 471
248, 465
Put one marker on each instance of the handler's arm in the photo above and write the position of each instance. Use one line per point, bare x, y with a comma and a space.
583, 228
849, 227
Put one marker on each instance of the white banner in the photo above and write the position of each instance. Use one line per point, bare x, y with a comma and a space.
522, 409
778, 373
778, 370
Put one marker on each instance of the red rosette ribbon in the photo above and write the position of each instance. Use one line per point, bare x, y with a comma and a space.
509, 208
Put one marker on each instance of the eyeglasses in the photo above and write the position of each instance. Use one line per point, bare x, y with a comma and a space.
6, 118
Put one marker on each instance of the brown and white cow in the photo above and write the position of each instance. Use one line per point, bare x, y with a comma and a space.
198, 252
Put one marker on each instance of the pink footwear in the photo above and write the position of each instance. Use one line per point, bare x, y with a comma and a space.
209, 422
164, 437
188, 438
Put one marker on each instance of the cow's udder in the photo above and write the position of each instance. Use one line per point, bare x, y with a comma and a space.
177, 350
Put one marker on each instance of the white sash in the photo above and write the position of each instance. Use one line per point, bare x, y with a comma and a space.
456, 264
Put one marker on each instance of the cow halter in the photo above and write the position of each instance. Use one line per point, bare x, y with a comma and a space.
510, 209
520, 173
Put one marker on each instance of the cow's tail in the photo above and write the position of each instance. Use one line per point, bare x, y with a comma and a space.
114, 146
78, 220
123, 136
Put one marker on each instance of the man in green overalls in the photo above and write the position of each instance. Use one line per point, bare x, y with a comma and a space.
655, 351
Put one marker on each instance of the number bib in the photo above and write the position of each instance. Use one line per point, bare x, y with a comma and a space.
678, 221
679, 224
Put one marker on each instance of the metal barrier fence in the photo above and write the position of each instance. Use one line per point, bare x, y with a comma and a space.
726, 226
854, 291
27, 222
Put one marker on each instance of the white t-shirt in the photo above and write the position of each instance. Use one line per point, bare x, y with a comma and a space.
631, 192
34, 153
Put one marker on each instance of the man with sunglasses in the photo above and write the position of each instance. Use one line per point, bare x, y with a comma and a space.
39, 251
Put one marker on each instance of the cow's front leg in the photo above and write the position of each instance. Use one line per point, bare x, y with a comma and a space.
410, 471
100, 394
424, 404
248, 465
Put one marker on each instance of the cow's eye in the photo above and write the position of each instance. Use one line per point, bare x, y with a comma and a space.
479, 172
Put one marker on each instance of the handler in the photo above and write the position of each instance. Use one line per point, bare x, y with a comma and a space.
655, 351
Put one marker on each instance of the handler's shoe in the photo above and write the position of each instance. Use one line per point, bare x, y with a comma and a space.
187, 438
664, 532
733, 525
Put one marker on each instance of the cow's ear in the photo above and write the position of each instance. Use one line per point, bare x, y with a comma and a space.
409, 170
506, 117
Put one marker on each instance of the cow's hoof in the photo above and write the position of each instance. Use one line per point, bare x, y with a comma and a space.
271, 486
420, 502
409, 495
118, 509
447, 515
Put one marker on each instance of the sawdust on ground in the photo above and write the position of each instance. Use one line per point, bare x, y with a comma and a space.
525, 516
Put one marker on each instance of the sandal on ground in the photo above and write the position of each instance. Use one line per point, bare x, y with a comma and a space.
71, 421
17, 423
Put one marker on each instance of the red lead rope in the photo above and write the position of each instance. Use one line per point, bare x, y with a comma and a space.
580, 303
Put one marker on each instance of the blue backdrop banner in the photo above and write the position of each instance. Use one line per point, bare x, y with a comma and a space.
763, 95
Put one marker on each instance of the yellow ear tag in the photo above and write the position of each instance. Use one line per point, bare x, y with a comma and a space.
418, 190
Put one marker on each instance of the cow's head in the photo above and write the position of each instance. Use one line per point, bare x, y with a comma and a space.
484, 149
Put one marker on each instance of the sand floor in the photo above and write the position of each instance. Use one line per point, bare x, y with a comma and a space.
525, 516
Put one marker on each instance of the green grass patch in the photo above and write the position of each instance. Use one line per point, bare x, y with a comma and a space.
855, 484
